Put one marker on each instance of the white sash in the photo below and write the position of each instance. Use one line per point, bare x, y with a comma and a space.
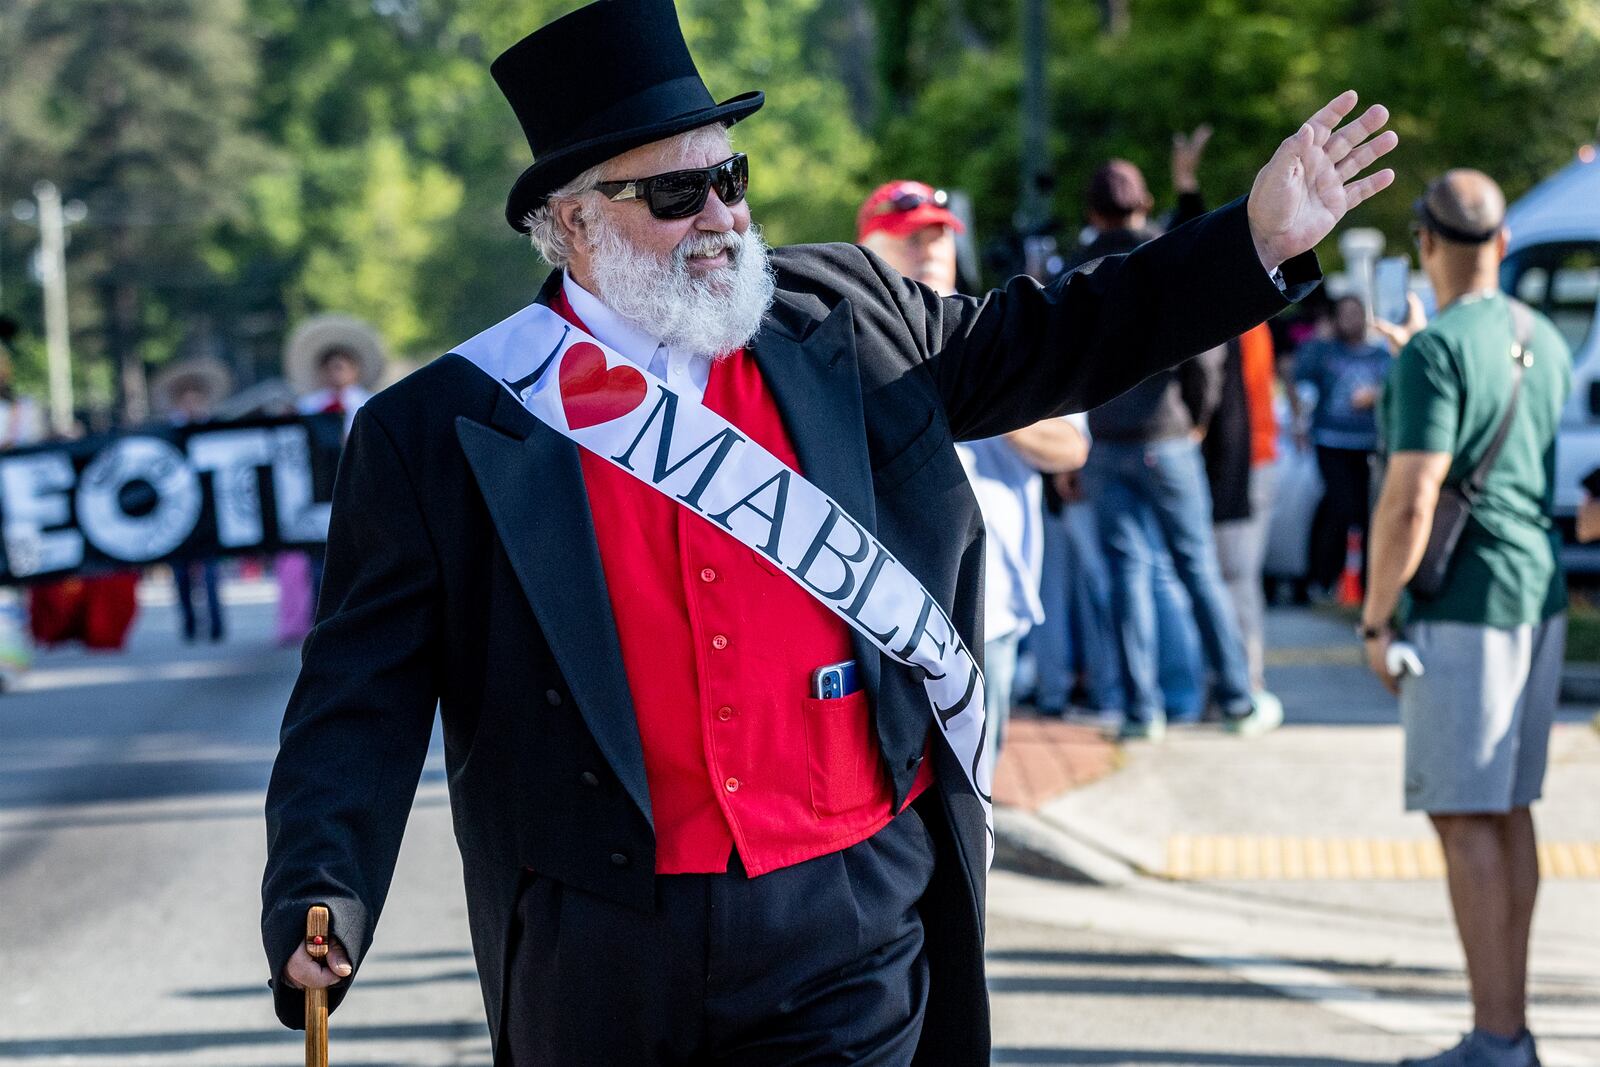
624, 414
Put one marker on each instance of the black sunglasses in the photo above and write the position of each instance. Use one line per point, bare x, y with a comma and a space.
911, 201
681, 193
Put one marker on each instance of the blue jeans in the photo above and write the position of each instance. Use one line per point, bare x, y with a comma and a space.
1078, 634
1134, 487
1180, 670
183, 579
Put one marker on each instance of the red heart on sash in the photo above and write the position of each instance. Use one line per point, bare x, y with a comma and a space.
591, 394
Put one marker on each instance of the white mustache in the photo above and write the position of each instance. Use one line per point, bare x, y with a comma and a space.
709, 244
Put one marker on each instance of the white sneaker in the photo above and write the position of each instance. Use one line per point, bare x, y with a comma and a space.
1264, 716
1154, 730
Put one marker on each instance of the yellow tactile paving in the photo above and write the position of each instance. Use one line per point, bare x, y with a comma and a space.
1245, 859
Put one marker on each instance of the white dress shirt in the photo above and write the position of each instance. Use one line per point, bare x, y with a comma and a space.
1011, 499
685, 372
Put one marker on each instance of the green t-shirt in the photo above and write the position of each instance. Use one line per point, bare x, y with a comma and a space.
1447, 392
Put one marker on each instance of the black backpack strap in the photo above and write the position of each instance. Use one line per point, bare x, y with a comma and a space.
1521, 358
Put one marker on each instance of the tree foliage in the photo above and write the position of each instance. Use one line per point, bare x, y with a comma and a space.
1511, 86
137, 108
250, 162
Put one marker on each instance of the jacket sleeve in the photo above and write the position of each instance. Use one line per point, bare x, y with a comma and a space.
1026, 351
357, 727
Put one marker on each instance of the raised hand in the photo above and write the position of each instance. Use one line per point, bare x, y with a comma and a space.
1310, 182
1186, 153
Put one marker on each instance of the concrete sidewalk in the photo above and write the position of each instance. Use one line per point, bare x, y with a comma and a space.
1317, 801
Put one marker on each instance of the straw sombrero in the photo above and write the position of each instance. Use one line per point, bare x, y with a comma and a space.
317, 335
209, 374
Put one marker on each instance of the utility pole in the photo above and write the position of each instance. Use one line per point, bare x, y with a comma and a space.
53, 277
1035, 166
1033, 213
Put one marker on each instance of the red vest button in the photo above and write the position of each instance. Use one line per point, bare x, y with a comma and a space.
708, 575
719, 642
731, 785
724, 713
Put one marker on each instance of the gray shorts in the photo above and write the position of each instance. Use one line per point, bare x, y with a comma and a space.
1477, 722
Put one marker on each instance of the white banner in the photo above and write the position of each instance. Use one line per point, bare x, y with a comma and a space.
634, 420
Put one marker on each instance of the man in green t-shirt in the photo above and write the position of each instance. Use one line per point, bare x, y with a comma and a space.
1477, 715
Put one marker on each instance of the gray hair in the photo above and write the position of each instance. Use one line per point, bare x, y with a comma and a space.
553, 241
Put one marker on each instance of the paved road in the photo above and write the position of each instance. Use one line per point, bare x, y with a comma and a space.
1377, 953
131, 845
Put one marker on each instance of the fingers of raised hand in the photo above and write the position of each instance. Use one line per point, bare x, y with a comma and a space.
1354, 133
1331, 114
1416, 314
1356, 192
304, 972
1194, 142
1363, 156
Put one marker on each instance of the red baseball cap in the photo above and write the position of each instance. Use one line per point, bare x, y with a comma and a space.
901, 208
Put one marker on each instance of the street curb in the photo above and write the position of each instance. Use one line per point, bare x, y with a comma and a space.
1028, 842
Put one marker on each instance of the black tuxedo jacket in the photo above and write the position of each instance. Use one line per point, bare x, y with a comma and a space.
463, 574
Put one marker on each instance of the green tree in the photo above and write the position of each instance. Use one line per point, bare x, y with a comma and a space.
134, 107
1507, 85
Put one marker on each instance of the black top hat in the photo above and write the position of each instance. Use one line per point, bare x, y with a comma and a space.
610, 76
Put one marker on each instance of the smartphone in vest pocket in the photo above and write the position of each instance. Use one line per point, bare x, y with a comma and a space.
834, 681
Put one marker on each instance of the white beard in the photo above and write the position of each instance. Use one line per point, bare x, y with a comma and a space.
711, 315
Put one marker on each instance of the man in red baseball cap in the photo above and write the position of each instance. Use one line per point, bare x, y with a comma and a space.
912, 227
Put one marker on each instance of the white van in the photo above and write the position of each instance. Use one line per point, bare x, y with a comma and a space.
1553, 264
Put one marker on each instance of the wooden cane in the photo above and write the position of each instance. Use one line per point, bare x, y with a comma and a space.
317, 999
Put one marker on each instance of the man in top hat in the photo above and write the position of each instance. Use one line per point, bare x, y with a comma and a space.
684, 556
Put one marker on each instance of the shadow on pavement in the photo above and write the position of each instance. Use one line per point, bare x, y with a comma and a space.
156, 1044
1131, 959
1132, 1057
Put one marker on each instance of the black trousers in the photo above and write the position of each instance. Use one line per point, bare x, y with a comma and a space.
1347, 480
818, 963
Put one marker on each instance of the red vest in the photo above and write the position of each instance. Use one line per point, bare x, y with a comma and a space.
719, 646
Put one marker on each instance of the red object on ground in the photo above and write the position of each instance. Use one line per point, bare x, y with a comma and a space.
719, 646
98, 611
1350, 594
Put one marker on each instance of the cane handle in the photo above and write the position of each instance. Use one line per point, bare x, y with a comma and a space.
317, 999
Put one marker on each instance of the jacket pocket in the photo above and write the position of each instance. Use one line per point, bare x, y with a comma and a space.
896, 471
842, 755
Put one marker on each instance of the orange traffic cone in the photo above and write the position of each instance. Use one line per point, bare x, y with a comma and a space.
1350, 578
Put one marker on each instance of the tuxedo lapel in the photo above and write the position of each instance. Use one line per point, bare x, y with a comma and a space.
809, 365
532, 482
